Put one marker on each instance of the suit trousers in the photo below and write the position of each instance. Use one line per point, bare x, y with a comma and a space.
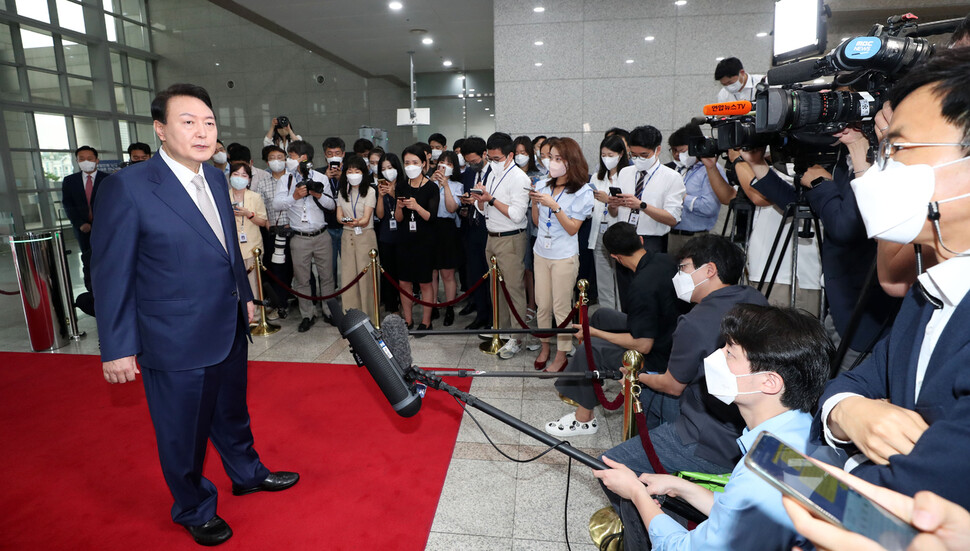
608, 296
509, 252
477, 265
316, 249
555, 280
354, 258
190, 407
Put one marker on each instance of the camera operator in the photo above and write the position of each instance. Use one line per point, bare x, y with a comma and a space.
701, 204
334, 148
847, 252
737, 84
306, 198
279, 223
280, 133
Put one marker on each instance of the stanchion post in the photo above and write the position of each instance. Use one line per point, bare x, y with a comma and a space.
262, 327
375, 277
582, 285
492, 347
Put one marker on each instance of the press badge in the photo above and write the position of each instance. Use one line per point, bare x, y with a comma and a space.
604, 225
413, 225
634, 217
392, 224
547, 242
357, 230
242, 237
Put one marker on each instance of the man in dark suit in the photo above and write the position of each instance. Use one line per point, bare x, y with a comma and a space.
906, 407
171, 291
78, 192
474, 232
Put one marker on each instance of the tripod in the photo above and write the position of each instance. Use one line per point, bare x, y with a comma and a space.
797, 211
743, 210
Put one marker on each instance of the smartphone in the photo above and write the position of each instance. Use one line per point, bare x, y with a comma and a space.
476, 191
334, 164
614, 191
381, 181
237, 204
824, 495
528, 188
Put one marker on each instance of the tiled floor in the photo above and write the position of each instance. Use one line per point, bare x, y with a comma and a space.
488, 502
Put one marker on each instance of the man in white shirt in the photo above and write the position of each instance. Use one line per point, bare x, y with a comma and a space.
306, 209
652, 197
737, 84
906, 406
505, 202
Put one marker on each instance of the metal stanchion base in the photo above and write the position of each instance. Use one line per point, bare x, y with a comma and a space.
569, 401
492, 347
260, 330
79, 336
604, 523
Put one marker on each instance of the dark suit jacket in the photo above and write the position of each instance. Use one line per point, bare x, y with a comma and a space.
73, 198
938, 462
164, 287
847, 253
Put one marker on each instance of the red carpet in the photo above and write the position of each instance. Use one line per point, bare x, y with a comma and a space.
81, 471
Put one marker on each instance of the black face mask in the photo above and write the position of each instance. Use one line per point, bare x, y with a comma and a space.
477, 167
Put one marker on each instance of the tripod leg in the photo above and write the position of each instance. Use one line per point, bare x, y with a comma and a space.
774, 247
781, 259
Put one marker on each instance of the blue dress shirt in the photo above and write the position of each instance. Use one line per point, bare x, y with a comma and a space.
701, 206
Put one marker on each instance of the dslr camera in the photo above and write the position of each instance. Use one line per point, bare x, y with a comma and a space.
311, 185
282, 121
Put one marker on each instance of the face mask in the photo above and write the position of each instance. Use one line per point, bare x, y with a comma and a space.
292, 164
448, 170
736, 86
277, 165
545, 163
219, 158
557, 169
522, 160
335, 160
238, 182
685, 159
610, 162
477, 167
684, 284
893, 201
721, 383
373, 168
644, 164
435, 153
354, 179
87, 166
390, 174
461, 160
497, 166
413, 171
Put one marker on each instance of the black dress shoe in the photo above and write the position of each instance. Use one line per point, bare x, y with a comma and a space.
435, 314
305, 325
449, 316
478, 324
214, 532
281, 312
424, 327
468, 309
275, 482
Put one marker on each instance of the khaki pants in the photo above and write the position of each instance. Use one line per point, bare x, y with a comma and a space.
354, 257
509, 252
555, 280
304, 250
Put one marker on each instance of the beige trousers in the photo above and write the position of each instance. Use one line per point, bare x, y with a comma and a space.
509, 252
354, 257
555, 280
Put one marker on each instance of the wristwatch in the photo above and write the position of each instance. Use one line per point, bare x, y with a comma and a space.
643, 205
491, 202
557, 211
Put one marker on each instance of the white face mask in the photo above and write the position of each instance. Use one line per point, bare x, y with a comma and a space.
413, 171
335, 160
684, 284
277, 165
893, 201
87, 166
373, 168
645, 164
292, 164
448, 170
461, 160
610, 162
522, 160
354, 179
435, 153
238, 182
557, 169
721, 383
545, 163
390, 174
685, 159
219, 158
497, 166
736, 86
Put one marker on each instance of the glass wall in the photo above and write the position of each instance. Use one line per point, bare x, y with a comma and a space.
72, 73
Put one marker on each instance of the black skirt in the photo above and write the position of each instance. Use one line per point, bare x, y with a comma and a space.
447, 245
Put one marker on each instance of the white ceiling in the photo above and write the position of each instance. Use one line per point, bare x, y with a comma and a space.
369, 37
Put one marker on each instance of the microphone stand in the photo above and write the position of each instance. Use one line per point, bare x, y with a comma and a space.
416, 374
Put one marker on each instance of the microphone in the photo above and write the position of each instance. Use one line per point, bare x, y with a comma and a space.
395, 331
698, 121
727, 108
370, 351
794, 72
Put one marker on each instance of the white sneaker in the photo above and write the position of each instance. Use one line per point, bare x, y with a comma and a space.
509, 349
567, 426
533, 346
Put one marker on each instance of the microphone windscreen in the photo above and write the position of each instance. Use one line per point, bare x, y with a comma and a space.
792, 73
395, 332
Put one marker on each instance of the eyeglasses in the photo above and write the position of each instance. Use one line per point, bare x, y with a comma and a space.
680, 267
887, 148
634, 157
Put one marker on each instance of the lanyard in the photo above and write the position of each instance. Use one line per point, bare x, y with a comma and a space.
549, 219
495, 187
354, 204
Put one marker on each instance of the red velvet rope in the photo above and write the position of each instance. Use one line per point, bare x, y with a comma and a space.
591, 365
289, 289
452, 302
9, 293
658, 468
518, 318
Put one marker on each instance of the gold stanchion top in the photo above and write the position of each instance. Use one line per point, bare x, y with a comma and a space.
632, 361
257, 252
493, 260
372, 254
582, 285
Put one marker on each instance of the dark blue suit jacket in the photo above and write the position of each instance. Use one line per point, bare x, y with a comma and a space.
847, 253
73, 198
938, 462
164, 288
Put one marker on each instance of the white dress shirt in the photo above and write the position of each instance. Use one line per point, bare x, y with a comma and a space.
184, 176
600, 211
304, 214
663, 188
746, 93
508, 187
